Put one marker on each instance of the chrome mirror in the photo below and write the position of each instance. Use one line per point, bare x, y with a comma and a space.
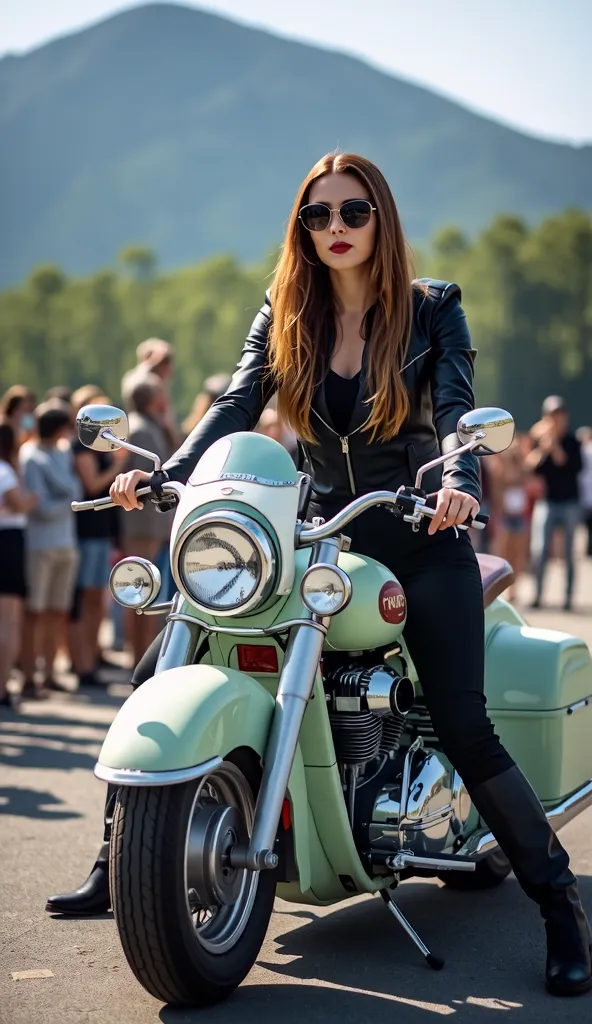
488, 431
100, 425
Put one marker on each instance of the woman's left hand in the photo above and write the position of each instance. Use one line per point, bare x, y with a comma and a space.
452, 509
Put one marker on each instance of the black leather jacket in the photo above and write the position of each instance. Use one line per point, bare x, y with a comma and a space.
438, 373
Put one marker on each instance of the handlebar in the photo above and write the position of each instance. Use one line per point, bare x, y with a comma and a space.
411, 508
98, 504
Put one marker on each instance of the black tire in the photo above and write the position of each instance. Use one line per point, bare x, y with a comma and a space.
150, 901
490, 871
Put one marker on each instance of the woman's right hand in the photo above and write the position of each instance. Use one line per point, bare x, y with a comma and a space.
123, 489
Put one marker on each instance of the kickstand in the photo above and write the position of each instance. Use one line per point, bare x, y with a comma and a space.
435, 962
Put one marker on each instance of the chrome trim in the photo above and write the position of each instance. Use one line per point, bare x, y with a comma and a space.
484, 842
155, 609
262, 543
137, 777
108, 435
306, 535
280, 627
584, 703
250, 479
342, 575
155, 579
468, 447
406, 859
571, 806
301, 663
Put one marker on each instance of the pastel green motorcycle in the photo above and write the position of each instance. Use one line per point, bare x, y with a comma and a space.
283, 745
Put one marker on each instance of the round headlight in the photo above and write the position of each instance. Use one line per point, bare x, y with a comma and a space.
134, 582
225, 563
325, 589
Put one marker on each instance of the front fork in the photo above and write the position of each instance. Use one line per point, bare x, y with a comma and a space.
300, 667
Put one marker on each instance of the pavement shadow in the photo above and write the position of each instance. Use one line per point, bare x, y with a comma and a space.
33, 803
20, 748
355, 964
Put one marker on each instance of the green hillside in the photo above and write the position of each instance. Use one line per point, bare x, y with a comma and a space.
190, 133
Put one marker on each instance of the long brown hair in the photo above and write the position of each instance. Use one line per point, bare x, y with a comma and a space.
302, 306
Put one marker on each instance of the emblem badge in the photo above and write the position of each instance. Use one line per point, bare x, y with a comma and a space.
392, 603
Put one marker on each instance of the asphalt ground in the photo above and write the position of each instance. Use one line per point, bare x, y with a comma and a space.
349, 964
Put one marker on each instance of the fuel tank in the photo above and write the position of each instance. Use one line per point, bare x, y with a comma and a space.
377, 611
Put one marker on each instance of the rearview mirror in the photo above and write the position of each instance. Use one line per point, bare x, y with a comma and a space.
493, 428
93, 421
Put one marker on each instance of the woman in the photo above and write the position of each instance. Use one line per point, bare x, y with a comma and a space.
96, 471
372, 372
14, 505
17, 407
510, 484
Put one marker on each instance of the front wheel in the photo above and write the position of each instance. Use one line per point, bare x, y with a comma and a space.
489, 872
190, 924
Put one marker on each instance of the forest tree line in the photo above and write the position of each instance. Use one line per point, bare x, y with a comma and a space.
527, 292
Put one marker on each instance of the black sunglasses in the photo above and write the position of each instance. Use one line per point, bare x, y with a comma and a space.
355, 214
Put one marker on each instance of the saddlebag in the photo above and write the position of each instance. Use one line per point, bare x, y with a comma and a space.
539, 696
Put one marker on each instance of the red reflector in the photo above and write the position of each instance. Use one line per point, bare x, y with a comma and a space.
257, 658
286, 814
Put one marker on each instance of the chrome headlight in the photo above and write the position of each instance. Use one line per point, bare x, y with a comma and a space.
325, 589
134, 582
225, 563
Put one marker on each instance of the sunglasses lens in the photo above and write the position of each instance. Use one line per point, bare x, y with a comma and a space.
356, 213
315, 216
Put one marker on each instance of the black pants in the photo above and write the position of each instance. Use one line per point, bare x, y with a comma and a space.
444, 633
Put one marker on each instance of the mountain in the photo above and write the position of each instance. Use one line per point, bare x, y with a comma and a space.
183, 130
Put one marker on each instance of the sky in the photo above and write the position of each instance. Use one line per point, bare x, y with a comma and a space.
524, 62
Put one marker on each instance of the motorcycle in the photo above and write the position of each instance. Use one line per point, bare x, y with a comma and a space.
283, 746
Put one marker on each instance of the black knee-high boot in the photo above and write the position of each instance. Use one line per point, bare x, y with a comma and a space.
516, 818
93, 895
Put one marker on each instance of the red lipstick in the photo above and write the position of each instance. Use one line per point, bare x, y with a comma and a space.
340, 247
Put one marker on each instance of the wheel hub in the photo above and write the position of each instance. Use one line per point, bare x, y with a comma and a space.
213, 833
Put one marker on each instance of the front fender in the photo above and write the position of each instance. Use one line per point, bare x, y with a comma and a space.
188, 715
185, 716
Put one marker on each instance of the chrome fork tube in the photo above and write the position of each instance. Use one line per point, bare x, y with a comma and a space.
301, 663
180, 642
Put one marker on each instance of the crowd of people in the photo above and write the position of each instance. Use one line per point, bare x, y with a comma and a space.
55, 564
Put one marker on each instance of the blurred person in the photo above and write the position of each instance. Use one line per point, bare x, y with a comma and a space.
213, 388
51, 549
510, 475
145, 534
154, 356
15, 503
584, 436
96, 532
556, 458
17, 408
61, 392
85, 395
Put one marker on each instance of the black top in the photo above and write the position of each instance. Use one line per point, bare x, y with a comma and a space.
340, 395
92, 525
562, 481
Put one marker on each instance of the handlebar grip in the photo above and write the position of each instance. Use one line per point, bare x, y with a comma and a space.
98, 504
479, 522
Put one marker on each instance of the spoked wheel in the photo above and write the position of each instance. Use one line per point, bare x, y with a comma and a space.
190, 924
489, 872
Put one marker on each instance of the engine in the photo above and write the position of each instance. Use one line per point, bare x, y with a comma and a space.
400, 791
367, 708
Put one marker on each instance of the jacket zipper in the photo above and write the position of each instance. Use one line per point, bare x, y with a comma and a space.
345, 449
350, 472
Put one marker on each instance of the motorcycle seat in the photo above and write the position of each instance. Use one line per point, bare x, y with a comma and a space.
496, 576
